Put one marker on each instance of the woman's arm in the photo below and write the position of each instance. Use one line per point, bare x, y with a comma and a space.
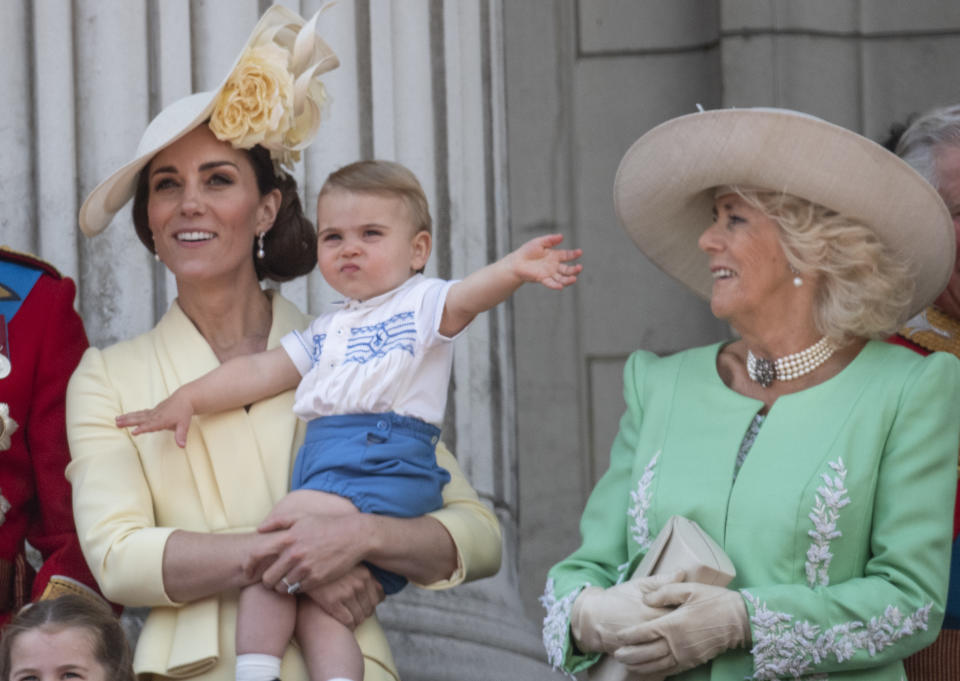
470, 525
460, 541
199, 564
319, 548
112, 501
603, 529
897, 606
196, 565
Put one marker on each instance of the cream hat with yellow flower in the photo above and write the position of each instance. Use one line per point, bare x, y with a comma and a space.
272, 96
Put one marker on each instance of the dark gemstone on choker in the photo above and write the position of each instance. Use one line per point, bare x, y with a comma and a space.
766, 371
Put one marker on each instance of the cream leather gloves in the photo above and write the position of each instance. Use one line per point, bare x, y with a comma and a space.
600, 616
704, 622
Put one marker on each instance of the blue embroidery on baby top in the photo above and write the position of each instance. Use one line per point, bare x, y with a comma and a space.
317, 347
371, 342
313, 350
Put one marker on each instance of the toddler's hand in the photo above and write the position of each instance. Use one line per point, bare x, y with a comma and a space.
174, 413
538, 261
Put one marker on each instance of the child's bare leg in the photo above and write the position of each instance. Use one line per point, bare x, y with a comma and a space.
265, 621
329, 648
313, 502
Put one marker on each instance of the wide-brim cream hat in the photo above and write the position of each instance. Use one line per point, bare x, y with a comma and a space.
665, 185
281, 62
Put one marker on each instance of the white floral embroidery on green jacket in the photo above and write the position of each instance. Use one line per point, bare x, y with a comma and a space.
830, 498
640, 530
556, 623
786, 648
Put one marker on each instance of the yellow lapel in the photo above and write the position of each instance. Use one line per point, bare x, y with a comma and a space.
241, 460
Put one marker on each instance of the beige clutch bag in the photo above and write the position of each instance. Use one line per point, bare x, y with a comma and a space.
681, 545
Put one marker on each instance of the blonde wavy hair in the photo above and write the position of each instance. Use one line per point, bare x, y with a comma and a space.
864, 289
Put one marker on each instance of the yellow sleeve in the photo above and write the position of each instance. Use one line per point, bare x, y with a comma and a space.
112, 502
472, 525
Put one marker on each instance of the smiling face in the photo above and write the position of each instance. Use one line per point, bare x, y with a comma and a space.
367, 243
45, 654
204, 208
751, 275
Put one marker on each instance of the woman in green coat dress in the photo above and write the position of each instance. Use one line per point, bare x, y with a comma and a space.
820, 460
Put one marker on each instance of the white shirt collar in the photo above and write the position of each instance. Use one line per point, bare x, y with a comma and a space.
354, 304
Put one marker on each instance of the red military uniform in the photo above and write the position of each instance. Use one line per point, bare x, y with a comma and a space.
934, 330
41, 341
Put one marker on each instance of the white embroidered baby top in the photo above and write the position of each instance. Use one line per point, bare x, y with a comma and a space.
382, 354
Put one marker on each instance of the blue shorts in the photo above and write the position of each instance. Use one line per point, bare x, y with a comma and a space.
383, 463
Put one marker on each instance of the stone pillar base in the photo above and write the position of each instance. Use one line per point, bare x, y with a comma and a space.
464, 634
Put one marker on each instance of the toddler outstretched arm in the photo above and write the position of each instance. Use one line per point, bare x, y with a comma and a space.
535, 261
235, 383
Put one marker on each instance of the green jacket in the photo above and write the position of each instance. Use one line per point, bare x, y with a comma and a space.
839, 522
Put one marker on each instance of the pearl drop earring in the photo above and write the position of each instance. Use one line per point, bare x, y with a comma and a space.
260, 251
797, 280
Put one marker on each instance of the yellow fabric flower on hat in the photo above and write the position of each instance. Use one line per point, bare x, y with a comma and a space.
7, 426
274, 96
255, 105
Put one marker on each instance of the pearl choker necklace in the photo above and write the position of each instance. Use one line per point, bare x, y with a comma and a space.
766, 371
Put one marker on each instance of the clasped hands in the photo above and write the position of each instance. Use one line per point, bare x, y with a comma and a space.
659, 626
322, 553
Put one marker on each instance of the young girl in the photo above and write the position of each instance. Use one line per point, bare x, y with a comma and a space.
67, 636
371, 380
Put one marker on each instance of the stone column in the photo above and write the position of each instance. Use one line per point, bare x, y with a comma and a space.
17, 200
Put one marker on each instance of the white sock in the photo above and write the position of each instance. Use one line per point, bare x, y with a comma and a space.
257, 667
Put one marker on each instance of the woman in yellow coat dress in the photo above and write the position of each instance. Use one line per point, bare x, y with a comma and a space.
175, 529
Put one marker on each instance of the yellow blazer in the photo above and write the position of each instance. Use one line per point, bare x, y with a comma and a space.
131, 493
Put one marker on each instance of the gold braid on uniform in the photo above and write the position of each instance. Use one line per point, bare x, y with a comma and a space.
936, 331
7, 294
